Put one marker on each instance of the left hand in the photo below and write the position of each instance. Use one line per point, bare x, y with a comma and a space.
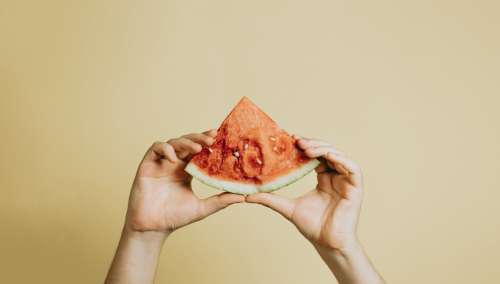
161, 198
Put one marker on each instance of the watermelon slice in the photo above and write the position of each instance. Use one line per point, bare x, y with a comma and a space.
250, 154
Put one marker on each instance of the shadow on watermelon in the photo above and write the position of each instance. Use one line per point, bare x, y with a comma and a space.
251, 154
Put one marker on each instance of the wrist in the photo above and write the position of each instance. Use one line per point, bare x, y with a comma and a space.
137, 256
145, 237
350, 264
344, 243
348, 250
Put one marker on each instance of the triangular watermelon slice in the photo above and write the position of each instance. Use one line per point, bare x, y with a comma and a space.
250, 154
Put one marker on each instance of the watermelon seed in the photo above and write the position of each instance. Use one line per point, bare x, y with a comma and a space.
272, 138
236, 154
275, 149
210, 150
258, 161
245, 146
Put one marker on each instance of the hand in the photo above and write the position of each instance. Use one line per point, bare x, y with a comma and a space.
328, 215
161, 198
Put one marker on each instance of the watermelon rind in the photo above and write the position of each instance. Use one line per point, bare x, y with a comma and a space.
246, 188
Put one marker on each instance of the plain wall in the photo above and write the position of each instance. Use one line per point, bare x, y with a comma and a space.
409, 89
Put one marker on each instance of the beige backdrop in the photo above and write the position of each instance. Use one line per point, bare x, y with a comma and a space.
410, 89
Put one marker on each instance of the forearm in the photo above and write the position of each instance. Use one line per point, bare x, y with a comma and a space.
136, 258
350, 266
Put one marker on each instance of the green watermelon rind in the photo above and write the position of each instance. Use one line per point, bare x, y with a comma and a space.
245, 188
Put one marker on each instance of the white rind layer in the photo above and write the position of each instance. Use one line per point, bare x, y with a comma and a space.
243, 188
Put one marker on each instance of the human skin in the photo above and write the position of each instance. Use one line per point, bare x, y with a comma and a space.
328, 215
162, 201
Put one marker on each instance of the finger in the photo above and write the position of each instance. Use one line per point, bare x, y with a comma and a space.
161, 150
305, 143
297, 137
322, 167
280, 204
184, 147
217, 202
340, 163
344, 162
211, 132
200, 138
353, 193
319, 151
184, 144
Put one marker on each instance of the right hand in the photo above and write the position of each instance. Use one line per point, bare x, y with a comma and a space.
328, 215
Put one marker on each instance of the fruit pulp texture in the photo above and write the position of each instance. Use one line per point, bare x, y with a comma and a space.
259, 156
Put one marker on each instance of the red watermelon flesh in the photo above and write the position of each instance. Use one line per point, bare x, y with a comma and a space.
251, 153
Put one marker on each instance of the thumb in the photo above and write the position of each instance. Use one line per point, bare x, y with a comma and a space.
278, 203
217, 202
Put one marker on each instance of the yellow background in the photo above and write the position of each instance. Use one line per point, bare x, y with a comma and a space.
410, 89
